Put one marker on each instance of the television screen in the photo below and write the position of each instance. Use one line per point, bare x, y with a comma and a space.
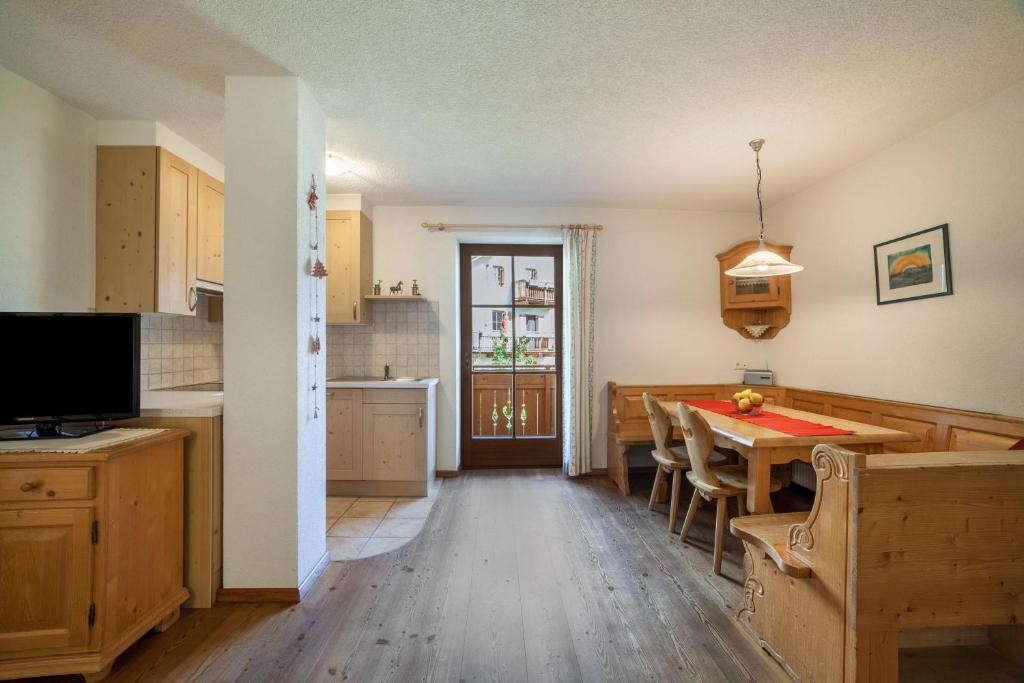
69, 367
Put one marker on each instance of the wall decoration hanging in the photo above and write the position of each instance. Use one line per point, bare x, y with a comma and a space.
914, 266
317, 271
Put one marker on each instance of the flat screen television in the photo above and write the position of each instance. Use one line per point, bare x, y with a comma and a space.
79, 368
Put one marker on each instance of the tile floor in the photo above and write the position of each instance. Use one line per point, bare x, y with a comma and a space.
367, 526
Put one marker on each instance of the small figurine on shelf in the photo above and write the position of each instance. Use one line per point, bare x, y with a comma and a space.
397, 289
376, 287
415, 288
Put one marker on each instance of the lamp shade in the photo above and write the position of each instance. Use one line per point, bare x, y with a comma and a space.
763, 263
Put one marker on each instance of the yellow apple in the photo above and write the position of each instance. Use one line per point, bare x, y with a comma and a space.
756, 398
736, 396
744, 405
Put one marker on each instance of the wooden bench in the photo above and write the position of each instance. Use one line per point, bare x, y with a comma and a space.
938, 429
894, 543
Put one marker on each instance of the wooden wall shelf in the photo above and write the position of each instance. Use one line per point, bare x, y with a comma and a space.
395, 297
754, 301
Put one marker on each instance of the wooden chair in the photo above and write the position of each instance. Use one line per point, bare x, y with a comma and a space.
710, 483
668, 458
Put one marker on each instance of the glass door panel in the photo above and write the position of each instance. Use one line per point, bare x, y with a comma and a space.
511, 339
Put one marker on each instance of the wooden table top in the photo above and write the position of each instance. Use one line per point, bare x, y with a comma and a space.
749, 434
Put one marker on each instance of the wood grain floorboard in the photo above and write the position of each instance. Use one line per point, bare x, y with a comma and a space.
518, 575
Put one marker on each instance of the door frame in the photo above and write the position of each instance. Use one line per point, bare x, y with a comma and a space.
504, 452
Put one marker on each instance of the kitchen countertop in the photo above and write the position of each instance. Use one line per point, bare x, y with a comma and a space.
374, 383
181, 403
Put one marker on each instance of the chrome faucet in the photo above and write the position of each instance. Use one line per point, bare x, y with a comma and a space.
387, 371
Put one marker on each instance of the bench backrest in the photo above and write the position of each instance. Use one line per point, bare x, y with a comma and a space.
938, 429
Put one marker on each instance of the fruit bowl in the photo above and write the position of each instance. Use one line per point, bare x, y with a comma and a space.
748, 402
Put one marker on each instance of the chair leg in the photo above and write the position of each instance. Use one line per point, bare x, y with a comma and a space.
741, 503
658, 475
720, 515
691, 513
673, 505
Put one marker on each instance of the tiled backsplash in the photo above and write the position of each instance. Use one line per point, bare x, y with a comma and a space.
403, 333
179, 350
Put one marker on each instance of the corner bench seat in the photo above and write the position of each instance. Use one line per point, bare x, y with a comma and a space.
770, 534
894, 543
937, 429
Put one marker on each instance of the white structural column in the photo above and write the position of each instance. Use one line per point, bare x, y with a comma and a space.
274, 489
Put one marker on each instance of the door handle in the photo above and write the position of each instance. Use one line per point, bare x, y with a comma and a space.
354, 316
421, 418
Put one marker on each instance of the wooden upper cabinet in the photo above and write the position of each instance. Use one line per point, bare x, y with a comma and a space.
750, 301
210, 267
349, 267
147, 210
177, 235
46, 559
344, 434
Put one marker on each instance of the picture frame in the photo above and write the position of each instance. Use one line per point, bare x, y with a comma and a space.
914, 266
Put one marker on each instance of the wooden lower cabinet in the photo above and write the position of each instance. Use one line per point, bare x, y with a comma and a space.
46, 564
204, 493
90, 554
394, 443
380, 441
344, 434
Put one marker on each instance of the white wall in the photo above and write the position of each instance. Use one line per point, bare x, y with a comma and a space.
47, 200
961, 351
274, 470
155, 133
657, 317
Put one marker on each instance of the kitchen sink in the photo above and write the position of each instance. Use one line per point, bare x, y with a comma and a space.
355, 378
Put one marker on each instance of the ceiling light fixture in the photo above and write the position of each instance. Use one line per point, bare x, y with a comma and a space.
335, 166
762, 263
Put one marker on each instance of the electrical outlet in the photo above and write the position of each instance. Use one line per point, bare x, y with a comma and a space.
741, 365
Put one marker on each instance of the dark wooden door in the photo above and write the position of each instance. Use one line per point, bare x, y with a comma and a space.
511, 341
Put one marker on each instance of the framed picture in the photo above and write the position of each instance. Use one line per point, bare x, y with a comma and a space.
914, 266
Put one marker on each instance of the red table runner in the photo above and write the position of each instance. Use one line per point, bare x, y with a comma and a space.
779, 423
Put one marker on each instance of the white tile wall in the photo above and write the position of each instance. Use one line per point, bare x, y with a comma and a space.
179, 350
403, 334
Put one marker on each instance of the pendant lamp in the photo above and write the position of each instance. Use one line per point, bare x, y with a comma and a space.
762, 263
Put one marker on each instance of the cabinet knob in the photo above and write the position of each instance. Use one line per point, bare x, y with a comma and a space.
330, 393
193, 298
31, 486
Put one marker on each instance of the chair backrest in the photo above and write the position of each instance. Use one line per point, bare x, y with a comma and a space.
661, 428
700, 443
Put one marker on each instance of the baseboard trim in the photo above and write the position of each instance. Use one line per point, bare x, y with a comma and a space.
598, 472
446, 474
284, 595
314, 575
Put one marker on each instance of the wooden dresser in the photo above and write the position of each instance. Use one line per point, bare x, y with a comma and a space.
90, 553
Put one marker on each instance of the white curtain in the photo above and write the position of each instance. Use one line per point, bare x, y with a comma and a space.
579, 270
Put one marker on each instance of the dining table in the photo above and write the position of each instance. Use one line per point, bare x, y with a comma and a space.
763, 447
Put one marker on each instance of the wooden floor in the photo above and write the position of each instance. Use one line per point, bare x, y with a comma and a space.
517, 576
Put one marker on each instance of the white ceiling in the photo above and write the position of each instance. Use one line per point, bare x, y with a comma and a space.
628, 104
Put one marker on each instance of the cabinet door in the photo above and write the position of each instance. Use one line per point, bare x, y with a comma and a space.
177, 236
394, 442
45, 578
342, 267
210, 266
749, 290
344, 434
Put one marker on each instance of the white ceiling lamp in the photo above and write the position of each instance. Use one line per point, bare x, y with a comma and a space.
762, 263
335, 166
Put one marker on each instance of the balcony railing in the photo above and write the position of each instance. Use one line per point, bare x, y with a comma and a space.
531, 294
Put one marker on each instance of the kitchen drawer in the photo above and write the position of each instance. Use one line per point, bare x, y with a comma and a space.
25, 484
394, 395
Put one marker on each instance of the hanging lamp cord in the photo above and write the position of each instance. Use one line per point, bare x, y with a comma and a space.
760, 208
